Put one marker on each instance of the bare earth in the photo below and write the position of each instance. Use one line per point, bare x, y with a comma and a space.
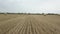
29, 24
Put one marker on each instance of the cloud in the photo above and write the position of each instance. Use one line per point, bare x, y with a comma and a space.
30, 6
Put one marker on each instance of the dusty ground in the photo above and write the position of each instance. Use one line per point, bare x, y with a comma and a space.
29, 24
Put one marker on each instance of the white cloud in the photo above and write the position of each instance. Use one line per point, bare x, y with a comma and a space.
30, 5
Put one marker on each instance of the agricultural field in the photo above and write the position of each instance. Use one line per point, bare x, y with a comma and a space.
29, 24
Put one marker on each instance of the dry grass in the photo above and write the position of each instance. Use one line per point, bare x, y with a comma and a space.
29, 24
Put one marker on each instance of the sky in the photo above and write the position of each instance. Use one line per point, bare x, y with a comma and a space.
30, 6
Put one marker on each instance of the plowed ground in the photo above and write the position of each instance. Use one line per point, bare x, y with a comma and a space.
29, 24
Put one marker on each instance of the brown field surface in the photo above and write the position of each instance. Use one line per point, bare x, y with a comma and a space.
29, 24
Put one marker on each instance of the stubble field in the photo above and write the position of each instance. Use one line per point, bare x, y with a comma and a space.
29, 24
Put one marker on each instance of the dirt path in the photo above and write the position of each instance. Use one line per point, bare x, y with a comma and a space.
30, 24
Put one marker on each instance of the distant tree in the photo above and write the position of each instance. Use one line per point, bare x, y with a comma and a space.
44, 14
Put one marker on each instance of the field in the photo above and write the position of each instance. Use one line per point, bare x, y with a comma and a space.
29, 24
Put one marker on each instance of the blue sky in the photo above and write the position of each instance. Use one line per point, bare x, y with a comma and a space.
30, 6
